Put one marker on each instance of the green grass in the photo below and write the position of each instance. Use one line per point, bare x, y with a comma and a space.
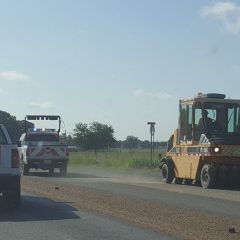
116, 159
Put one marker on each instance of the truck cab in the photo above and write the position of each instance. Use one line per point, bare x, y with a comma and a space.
205, 147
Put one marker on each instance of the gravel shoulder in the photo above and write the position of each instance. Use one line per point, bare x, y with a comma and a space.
177, 222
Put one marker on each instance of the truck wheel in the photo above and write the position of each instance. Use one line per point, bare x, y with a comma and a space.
25, 169
223, 177
234, 176
178, 181
51, 171
63, 169
167, 173
208, 176
188, 181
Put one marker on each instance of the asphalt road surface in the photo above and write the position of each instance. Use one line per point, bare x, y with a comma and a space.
39, 218
149, 186
52, 211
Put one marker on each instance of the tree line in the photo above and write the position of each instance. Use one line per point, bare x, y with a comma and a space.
101, 136
85, 136
15, 127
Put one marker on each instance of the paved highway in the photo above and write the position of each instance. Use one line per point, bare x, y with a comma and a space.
39, 218
149, 186
94, 203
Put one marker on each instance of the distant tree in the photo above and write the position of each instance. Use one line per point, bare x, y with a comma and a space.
67, 139
131, 142
11, 124
14, 127
24, 125
118, 144
95, 136
163, 144
145, 144
80, 135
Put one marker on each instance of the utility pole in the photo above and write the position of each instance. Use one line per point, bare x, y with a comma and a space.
152, 131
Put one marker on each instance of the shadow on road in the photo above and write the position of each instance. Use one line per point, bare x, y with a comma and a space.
37, 209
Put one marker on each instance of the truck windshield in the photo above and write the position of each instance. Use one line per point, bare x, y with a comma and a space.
42, 137
217, 118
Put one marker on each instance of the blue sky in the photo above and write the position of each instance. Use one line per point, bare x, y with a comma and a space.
118, 62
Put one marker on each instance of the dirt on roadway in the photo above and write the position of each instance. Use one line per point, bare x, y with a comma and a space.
177, 222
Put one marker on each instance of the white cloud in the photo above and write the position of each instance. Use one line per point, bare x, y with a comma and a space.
155, 95
13, 76
228, 13
42, 105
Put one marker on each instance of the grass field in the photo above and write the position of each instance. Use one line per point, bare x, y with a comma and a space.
116, 158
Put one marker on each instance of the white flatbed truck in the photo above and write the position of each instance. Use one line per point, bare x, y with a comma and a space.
41, 148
